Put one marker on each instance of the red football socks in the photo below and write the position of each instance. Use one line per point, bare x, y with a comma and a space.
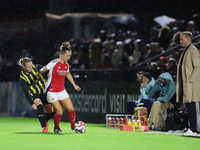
72, 117
57, 119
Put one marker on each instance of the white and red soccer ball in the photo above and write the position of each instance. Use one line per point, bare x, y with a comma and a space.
80, 127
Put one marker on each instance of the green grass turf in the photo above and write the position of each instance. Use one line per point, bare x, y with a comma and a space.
17, 133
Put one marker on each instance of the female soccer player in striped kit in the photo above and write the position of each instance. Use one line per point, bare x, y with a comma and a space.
33, 85
55, 86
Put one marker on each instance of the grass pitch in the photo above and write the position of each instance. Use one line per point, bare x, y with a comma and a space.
17, 133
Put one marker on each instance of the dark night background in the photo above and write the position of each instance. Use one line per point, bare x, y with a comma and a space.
26, 24
178, 8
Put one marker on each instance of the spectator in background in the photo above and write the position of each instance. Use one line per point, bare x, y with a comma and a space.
75, 60
162, 64
196, 33
154, 34
155, 49
154, 71
158, 37
128, 34
175, 39
190, 26
103, 35
134, 58
139, 53
95, 55
143, 51
120, 35
128, 47
165, 35
158, 48
107, 54
158, 110
172, 67
175, 30
196, 19
84, 56
117, 54
128, 50
148, 93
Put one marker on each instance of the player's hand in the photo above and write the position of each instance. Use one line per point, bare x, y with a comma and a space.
34, 107
77, 88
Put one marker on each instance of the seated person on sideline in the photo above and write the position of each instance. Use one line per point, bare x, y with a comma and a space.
130, 103
148, 93
139, 76
158, 110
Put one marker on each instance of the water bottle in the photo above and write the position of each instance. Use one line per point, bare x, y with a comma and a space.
109, 122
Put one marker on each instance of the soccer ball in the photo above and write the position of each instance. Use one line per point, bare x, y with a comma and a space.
80, 127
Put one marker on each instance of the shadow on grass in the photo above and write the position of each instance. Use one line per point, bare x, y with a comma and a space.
198, 136
43, 133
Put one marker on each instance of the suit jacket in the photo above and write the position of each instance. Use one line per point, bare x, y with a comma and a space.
188, 89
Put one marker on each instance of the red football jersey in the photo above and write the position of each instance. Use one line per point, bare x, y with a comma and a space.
57, 74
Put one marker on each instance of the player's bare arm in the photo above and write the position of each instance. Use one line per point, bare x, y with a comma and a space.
43, 70
71, 80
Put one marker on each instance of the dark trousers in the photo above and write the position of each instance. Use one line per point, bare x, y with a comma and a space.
132, 104
191, 108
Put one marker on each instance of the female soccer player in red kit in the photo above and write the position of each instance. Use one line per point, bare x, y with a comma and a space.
55, 86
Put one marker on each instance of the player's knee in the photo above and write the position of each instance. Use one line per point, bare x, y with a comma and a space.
48, 108
60, 112
70, 109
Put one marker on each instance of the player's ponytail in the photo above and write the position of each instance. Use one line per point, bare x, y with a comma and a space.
65, 46
22, 61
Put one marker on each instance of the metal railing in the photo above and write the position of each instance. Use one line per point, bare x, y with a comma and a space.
169, 51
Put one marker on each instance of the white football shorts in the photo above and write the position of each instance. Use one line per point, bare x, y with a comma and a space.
53, 96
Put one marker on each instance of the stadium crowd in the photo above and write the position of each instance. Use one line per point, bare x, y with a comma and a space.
123, 49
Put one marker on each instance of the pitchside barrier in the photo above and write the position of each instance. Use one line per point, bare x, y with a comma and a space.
102, 92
